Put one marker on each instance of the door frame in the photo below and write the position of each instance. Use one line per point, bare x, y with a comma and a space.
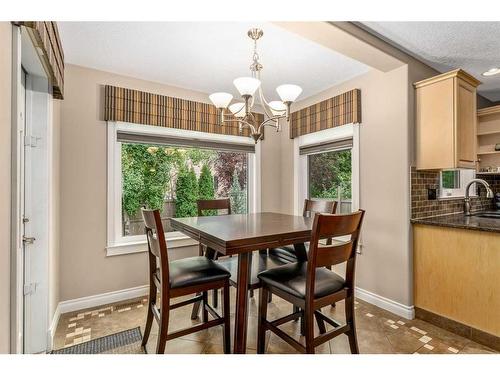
24, 57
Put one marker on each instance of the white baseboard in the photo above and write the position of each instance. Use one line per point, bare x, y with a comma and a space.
52, 328
102, 299
407, 312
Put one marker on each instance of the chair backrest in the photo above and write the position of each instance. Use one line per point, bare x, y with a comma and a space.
323, 207
328, 226
157, 245
312, 207
213, 204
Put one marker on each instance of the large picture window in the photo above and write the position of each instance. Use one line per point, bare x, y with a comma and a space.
172, 179
170, 169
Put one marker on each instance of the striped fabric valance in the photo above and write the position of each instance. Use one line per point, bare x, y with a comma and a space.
339, 110
45, 37
141, 107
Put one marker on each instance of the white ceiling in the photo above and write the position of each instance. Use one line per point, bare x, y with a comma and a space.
472, 46
205, 56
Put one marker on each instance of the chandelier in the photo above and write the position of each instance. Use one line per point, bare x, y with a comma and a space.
249, 88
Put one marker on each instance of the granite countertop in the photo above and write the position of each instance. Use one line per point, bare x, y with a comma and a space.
463, 222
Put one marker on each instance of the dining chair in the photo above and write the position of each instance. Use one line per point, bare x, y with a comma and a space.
179, 278
289, 253
311, 286
311, 207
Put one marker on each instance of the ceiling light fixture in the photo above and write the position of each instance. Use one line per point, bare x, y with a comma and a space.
491, 72
249, 87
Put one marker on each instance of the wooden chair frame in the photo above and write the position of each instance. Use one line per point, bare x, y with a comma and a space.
325, 226
159, 284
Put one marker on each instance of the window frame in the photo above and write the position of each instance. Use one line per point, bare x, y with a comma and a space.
117, 243
301, 170
301, 166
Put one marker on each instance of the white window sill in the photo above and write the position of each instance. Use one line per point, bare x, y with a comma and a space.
142, 246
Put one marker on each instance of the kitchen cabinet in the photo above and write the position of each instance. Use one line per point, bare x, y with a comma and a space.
488, 136
446, 121
456, 275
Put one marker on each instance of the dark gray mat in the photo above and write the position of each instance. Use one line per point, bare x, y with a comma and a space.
126, 342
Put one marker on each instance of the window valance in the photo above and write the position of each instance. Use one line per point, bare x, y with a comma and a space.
339, 110
142, 107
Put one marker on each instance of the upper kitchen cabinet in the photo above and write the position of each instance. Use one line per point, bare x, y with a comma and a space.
446, 121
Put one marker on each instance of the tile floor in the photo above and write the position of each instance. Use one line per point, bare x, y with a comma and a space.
379, 331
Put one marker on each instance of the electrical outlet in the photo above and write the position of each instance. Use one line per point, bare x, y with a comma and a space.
359, 249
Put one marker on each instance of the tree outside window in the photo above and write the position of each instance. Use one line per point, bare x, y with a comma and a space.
173, 179
330, 175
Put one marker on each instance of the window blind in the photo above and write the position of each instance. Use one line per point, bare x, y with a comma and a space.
163, 140
338, 145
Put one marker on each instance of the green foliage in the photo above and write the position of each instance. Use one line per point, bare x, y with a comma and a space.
186, 193
237, 195
146, 172
200, 156
150, 174
327, 172
206, 187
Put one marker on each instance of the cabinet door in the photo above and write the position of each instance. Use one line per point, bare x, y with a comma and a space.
435, 148
466, 139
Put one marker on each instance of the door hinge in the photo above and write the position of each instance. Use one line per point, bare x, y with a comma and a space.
30, 288
31, 141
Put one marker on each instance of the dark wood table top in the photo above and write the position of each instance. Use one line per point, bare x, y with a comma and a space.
233, 234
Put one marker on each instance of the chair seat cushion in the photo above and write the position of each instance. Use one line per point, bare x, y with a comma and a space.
287, 252
291, 278
193, 271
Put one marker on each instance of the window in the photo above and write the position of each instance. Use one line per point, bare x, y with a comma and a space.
169, 169
329, 176
329, 172
172, 179
452, 182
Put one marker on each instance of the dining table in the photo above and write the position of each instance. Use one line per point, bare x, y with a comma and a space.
241, 235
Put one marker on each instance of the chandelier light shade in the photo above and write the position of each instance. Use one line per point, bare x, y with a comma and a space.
250, 88
238, 109
246, 85
221, 99
277, 108
288, 93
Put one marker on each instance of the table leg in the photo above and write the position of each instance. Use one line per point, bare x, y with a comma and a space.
240, 328
300, 250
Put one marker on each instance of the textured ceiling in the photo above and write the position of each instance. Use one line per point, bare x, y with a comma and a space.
205, 56
472, 46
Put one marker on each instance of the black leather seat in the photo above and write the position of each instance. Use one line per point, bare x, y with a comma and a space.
287, 253
194, 271
291, 278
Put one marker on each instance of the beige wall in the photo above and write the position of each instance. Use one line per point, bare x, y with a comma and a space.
84, 268
383, 267
5, 178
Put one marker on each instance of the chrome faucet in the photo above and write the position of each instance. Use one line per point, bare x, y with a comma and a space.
489, 194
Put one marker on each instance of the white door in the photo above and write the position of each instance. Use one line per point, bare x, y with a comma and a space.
35, 215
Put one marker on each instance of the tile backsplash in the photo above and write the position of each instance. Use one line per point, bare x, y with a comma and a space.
422, 207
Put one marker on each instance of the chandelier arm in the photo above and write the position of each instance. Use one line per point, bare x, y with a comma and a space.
243, 123
265, 104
